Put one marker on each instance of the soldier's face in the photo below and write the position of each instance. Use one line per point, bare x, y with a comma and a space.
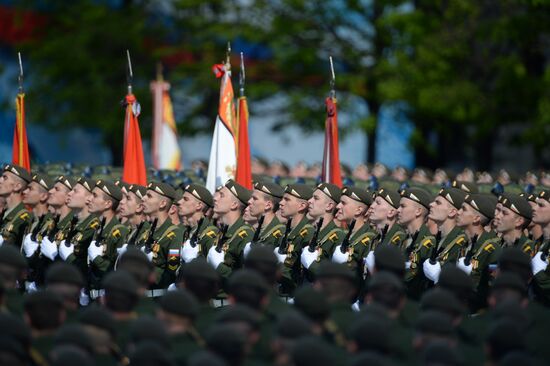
8, 183
33, 194
290, 205
257, 203
129, 205
57, 195
406, 212
223, 201
348, 208
466, 215
440, 209
98, 203
541, 213
379, 210
78, 197
506, 220
248, 217
151, 202
318, 204
188, 205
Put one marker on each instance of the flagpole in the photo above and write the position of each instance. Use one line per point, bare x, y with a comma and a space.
130, 73
332, 79
242, 77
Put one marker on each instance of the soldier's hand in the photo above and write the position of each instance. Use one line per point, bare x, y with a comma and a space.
246, 249
215, 258
188, 252
29, 246
307, 257
432, 271
340, 257
94, 251
172, 287
65, 251
149, 254
280, 257
120, 251
466, 268
369, 262
48, 248
537, 264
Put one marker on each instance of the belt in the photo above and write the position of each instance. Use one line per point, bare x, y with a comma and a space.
94, 294
219, 303
155, 293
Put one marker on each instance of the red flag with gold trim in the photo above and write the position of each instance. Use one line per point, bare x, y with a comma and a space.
20, 152
134, 162
331, 155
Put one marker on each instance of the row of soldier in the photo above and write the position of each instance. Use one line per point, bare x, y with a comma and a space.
92, 224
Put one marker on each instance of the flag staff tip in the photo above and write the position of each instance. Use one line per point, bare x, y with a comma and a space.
130, 73
20, 77
228, 54
332, 78
242, 76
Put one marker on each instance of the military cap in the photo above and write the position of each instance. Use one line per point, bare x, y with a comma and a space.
42, 297
66, 181
181, 303
390, 258
358, 194
272, 189
371, 334
14, 328
545, 195
198, 268
98, 317
312, 351
514, 256
435, 322
331, 190
120, 281
44, 180
531, 197
511, 309
439, 299
11, 256
455, 280
122, 185
89, 184
518, 204
205, 358
369, 358
439, 352
70, 356
311, 303
333, 269
137, 256
150, 352
390, 196
385, 279
225, 341
201, 193
74, 335
467, 187
163, 189
247, 278
62, 272
301, 191
138, 190
239, 313
503, 334
19, 171
418, 195
242, 193
510, 280
262, 254
147, 328
293, 325
484, 203
110, 189
455, 196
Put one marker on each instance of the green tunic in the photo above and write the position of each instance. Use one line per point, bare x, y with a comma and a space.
486, 252
422, 243
271, 233
396, 235
451, 246
184, 345
331, 236
239, 234
85, 230
14, 225
207, 234
541, 281
34, 274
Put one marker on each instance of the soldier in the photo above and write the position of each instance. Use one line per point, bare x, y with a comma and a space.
162, 245
264, 202
227, 255
353, 207
15, 218
111, 235
131, 210
512, 216
322, 205
477, 212
201, 233
412, 212
383, 214
294, 207
534, 230
451, 239
539, 263
12, 270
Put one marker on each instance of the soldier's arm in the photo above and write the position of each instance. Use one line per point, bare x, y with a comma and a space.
542, 280
456, 250
115, 240
13, 232
233, 255
327, 249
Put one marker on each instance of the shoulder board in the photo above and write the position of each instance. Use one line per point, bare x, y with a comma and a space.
242, 234
489, 248
304, 232
427, 242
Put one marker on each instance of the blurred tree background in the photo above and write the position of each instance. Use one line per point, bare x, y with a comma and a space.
464, 69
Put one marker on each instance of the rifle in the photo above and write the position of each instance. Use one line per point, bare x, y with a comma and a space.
384, 232
410, 248
34, 233
345, 243
149, 241
222, 238
284, 240
134, 237
54, 229
435, 251
470, 252
72, 231
195, 236
98, 236
256, 236
544, 254
313, 241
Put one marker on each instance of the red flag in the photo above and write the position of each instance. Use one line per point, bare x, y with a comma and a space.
243, 175
134, 163
331, 156
20, 152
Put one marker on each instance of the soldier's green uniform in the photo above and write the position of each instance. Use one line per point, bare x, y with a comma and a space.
166, 256
422, 243
239, 234
394, 235
485, 253
15, 220
272, 233
206, 235
298, 238
451, 246
34, 274
85, 230
330, 237
519, 205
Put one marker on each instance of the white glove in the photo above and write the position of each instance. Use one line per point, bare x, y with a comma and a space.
369, 261
29, 246
122, 249
537, 264
149, 255
246, 249
31, 287
172, 287
407, 265
466, 268
308, 257
84, 298
65, 251
215, 258
280, 257
356, 306
48, 249
94, 251
340, 257
188, 253
1, 240
432, 271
